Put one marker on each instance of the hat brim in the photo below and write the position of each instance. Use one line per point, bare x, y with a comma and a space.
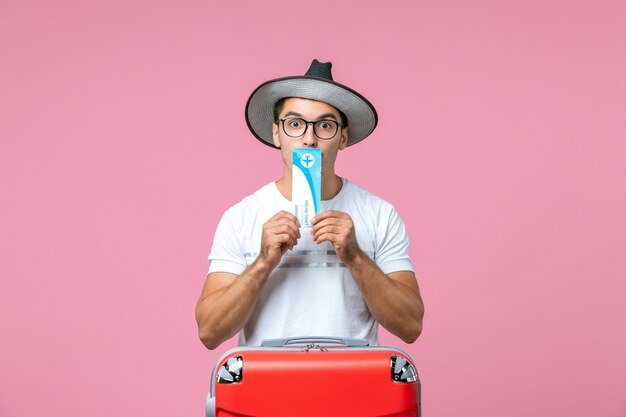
362, 117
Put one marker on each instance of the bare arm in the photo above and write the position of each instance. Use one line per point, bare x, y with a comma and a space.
394, 299
227, 300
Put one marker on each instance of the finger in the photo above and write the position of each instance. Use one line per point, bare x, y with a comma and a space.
285, 215
288, 222
326, 222
281, 226
332, 233
278, 241
326, 237
282, 218
285, 247
328, 214
329, 228
280, 229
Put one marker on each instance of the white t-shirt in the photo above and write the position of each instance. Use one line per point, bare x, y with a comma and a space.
310, 292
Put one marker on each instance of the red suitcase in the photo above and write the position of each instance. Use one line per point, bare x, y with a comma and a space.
314, 377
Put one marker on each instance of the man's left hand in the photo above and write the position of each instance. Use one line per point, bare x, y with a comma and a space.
337, 228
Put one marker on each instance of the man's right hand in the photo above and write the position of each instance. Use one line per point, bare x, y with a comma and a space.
280, 234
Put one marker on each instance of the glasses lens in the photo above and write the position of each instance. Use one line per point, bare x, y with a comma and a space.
294, 127
325, 129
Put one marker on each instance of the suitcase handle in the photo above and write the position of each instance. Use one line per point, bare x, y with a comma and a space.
314, 339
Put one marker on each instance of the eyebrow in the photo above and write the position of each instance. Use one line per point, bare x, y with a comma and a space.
322, 117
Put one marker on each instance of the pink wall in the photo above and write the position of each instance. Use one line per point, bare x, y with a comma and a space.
501, 141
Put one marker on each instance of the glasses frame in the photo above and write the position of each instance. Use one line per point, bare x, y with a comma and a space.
313, 122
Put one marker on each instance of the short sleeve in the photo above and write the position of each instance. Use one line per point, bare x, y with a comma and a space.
392, 251
226, 254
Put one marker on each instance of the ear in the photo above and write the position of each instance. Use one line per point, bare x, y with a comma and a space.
275, 137
343, 142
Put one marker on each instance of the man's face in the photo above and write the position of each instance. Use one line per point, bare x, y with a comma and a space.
310, 110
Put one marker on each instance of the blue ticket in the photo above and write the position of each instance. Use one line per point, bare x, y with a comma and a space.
306, 184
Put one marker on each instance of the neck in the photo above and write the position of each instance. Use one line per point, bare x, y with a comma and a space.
331, 185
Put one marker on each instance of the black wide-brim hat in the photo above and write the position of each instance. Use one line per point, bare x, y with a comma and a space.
316, 84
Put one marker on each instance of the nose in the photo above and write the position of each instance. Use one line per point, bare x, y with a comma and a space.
309, 139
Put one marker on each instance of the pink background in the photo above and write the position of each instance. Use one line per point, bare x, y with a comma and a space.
501, 142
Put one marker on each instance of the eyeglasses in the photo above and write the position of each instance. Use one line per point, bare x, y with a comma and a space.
324, 129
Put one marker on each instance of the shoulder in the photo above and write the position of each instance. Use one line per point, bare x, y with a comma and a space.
249, 206
362, 198
254, 200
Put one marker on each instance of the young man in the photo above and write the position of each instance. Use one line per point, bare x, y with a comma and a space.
271, 278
